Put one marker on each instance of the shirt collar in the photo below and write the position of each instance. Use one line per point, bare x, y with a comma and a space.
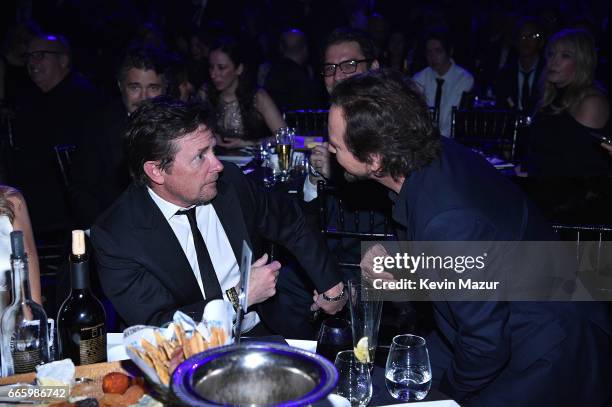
400, 212
168, 209
445, 76
532, 68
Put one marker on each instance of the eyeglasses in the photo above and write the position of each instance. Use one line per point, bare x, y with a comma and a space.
533, 36
37, 55
347, 67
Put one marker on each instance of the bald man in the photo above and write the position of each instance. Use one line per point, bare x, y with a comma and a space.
290, 81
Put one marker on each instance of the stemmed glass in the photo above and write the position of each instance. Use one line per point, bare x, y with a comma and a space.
284, 147
408, 372
354, 379
334, 336
366, 310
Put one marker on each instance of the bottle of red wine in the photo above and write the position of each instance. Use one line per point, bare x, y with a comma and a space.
81, 319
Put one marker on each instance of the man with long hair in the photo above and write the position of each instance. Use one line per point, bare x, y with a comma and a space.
483, 353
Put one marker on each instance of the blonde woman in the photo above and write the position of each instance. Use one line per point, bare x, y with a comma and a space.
14, 216
566, 160
572, 112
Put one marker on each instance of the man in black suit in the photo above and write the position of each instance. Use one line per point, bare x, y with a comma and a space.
517, 85
290, 80
153, 260
99, 171
483, 352
50, 111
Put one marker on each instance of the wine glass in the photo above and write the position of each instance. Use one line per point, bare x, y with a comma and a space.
334, 336
408, 372
354, 379
284, 147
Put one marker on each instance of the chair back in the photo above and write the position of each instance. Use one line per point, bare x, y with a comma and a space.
583, 233
593, 251
339, 220
434, 114
63, 155
308, 123
492, 131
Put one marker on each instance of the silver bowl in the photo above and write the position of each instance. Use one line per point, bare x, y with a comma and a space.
254, 374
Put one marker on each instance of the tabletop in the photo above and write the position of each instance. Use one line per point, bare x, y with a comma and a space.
380, 396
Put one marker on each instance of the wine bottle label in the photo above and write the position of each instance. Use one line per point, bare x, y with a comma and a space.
92, 347
25, 350
25, 361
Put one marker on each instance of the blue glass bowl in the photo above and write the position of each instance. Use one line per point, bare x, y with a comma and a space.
254, 373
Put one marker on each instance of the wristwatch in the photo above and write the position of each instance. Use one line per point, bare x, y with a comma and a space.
334, 299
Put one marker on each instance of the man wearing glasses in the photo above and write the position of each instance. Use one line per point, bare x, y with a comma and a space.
348, 52
50, 111
517, 84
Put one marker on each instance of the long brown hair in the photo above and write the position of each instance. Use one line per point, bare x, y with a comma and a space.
583, 84
6, 206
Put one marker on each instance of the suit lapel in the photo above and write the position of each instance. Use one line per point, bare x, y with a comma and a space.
228, 209
163, 248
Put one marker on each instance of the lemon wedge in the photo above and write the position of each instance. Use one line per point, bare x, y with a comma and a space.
362, 351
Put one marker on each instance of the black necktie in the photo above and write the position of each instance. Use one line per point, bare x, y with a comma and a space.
440, 82
212, 289
525, 92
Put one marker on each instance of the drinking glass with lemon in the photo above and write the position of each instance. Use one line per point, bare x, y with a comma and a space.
366, 309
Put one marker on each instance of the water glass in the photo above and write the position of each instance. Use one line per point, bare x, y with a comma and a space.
366, 309
408, 372
334, 336
354, 379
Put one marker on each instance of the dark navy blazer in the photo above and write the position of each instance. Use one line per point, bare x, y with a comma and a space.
501, 353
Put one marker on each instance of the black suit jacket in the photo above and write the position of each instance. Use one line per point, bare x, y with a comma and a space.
43, 120
507, 91
99, 169
143, 269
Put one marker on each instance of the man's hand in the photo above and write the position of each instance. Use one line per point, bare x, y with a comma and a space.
320, 162
367, 264
330, 307
607, 147
262, 284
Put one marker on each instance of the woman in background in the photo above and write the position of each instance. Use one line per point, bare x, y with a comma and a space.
245, 114
566, 158
14, 216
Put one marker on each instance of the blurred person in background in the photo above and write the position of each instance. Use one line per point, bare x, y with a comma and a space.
290, 79
443, 82
50, 111
245, 114
517, 84
570, 168
14, 216
99, 172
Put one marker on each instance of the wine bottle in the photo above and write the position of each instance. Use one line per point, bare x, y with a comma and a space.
81, 320
25, 334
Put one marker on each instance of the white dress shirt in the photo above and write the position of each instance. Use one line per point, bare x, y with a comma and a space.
456, 81
309, 190
218, 245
